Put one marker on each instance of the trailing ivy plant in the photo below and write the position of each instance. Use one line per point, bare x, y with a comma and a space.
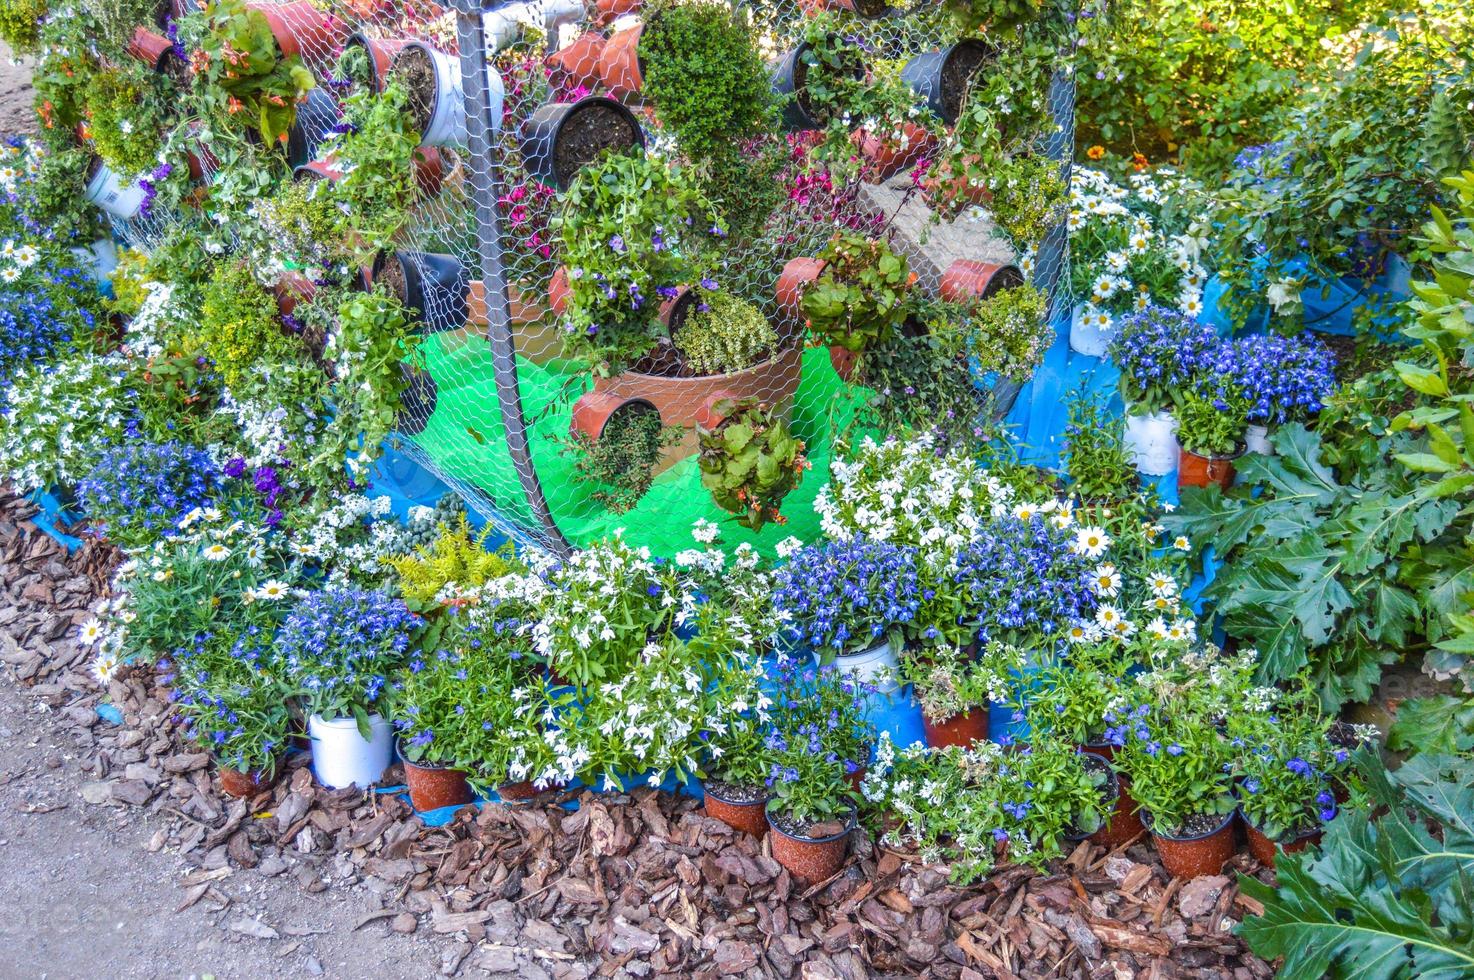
1321, 571
1383, 896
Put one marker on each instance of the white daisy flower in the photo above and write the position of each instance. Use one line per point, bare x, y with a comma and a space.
216, 552
1091, 542
1107, 580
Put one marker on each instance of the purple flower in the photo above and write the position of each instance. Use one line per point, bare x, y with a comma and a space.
617, 244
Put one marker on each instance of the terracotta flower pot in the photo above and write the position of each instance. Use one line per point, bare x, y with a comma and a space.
1265, 850
578, 64
607, 11
1203, 854
1123, 823
152, 49
810, 858
1204, 471
887, 157
299, 28
244, 785
291, 290
429, 170
318, 170
433, 787
966, 280
558, 290
792, 281
381, 54
619, 63
843, 361
748, 816
963, 729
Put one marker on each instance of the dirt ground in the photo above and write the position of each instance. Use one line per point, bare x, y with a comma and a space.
16, 115
85, 897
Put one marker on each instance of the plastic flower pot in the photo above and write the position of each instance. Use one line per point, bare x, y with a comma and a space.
1087, 336
744, 812
1124, 822
244, 785
788, 78
1256, 440
381, 54
300, 29
967, 280
433, 787
1103, 834
792, 281
887, 156
430, 167
810, 858
515, 793
577, 65
1265, 849
342, 757
876, 665
1203, 471
558, 290
436, 102
317, 118
432, 286
1197, 855
105, 190
1151, 440
99, 259
941, 77
620, 66
561, 138
961, 729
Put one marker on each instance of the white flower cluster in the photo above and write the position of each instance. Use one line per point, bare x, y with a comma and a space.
58, 417
355, 538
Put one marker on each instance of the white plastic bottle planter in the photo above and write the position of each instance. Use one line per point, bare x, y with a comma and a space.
876, 665
1152, 441
1091, 331
1256, 440
342, 757
445, 122
99, 260
107, 192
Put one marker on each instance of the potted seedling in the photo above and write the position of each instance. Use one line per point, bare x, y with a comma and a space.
817, 80
955, 687
343, 647
1211, 426
238, 713
749, 460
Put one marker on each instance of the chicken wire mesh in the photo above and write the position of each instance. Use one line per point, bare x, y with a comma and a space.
512, 106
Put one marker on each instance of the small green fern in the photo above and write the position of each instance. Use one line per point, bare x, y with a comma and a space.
456, 556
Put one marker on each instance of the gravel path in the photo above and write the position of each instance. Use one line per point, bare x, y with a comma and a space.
16, 115
85, 897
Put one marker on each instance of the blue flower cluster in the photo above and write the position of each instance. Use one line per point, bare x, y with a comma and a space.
1284, 378
140, 489
34, 325
341, 645
1162, 349
845, 595
1024, 576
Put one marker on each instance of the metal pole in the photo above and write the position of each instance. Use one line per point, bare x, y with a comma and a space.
482, 127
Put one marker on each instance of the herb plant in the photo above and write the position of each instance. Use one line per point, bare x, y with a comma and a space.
1095, 455
620, 464
750, 461
1010, 333
952, 682
232, 703
729, 335
1212, 423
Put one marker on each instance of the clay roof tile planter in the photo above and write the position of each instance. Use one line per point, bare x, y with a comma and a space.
153, 50
620, 65
885, 156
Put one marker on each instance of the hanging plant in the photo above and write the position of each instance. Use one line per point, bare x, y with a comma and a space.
750, 461
241, 76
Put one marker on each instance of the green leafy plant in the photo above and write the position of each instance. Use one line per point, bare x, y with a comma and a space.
620, 463
862, 296
750, 461
20, 25
456, 563
373, 196
1311, 572
731, 334
634, 229
240, 328
1095, 455
1212, 423
1028, 197
1009, 332
1387, 893
127, 113
242, 80
374, 352
704, 75
1180, 767
233, 705
1075, 693
949, 682
998, 14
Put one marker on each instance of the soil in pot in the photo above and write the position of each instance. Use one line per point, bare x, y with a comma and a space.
963, 729
416, 71
391, 275
810, 852
739, 807
1265, 850
587, 132
1203, 848
962, 62
853, 65
433, 787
